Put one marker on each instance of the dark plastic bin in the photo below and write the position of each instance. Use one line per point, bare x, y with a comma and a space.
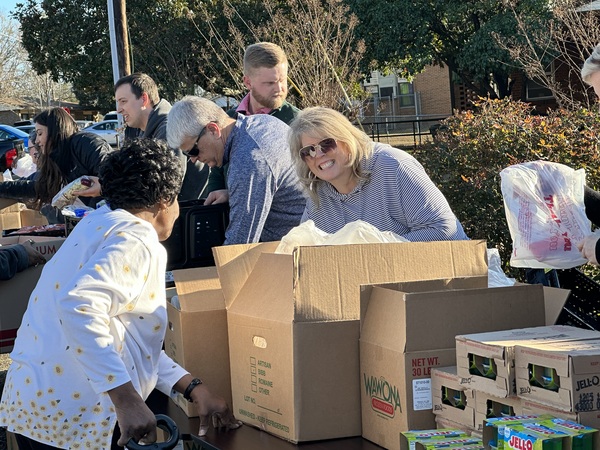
198, 229
582, 308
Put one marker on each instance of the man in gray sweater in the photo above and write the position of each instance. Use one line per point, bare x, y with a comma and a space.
265, 198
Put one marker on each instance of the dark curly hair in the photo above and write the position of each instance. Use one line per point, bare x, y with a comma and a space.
140, 175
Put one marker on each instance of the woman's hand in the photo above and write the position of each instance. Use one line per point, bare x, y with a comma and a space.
212, 408
135, 418
220, 196
34, 256
587, 247
95, 190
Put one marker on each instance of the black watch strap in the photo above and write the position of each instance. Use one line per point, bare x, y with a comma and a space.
188, 390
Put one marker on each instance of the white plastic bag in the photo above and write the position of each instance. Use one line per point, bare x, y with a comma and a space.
543, 202
25, 167
496, 276
357, 232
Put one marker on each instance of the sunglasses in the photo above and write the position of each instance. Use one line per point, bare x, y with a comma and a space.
195, 151
324, 146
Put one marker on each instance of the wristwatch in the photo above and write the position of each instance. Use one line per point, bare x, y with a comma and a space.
188, 390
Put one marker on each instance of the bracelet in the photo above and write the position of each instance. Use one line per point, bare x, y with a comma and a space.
188, 390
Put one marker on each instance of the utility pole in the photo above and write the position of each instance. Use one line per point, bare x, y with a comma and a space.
119, 44
119, 41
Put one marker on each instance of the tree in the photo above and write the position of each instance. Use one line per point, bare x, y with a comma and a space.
410, 34
19, 84
69, 39
318, 37
560, 47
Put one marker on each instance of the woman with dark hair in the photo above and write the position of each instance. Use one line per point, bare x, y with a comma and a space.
88, 352
64, 155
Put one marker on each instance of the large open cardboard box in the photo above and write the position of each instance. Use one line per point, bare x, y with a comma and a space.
410, 328
294, 326
16, 291
196, 337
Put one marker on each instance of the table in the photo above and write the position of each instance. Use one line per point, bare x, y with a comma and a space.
245, 437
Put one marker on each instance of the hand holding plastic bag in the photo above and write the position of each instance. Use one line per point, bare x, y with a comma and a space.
70, 192
544, 208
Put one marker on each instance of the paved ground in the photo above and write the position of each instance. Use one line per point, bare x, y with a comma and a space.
4, 363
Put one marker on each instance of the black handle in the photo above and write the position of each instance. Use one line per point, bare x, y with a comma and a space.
164, 423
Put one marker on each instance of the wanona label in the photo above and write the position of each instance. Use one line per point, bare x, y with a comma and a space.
385, 397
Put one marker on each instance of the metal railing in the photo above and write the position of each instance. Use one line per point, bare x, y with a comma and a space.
396, 129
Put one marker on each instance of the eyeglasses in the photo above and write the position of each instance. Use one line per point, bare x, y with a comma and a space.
195, 151
324, 146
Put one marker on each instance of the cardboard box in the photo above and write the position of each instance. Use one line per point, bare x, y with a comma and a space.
32, 217
443, 423
588, 418
409, 439
17, 290
451, 399
294, 325
496, 350
489, 406
493, 429
407, 323
576, 365
196, 337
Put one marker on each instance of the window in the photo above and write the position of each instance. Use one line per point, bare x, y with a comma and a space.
386, 91
406, 94
535, 89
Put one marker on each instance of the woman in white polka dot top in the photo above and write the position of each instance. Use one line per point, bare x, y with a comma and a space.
88, 352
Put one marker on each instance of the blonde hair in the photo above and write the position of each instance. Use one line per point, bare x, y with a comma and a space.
591, 65
263, 54
324, 123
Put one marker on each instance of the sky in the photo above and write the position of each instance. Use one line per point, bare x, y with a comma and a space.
8, 5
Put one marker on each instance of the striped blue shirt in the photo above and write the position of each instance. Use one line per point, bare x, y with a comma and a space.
397, 196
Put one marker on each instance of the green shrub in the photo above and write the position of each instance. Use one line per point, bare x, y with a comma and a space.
471, 149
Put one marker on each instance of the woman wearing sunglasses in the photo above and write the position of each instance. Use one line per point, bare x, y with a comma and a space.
349, 177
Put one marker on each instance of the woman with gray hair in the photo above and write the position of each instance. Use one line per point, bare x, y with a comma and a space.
349, 177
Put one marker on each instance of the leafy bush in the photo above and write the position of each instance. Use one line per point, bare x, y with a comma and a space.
471, 149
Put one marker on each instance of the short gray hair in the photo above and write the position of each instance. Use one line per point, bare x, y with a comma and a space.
189, 116
591, 65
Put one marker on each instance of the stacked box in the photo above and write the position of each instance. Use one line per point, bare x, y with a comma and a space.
563, 375
441, 422
587, 418
486, 361
402, 341
450, 399
489, 406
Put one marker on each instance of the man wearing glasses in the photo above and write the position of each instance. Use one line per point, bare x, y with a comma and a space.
265, 197
145, 114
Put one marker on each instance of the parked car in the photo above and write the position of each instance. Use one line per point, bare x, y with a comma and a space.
10, 150
8, 132
107, 129
26, 128
81, 124
112, 115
